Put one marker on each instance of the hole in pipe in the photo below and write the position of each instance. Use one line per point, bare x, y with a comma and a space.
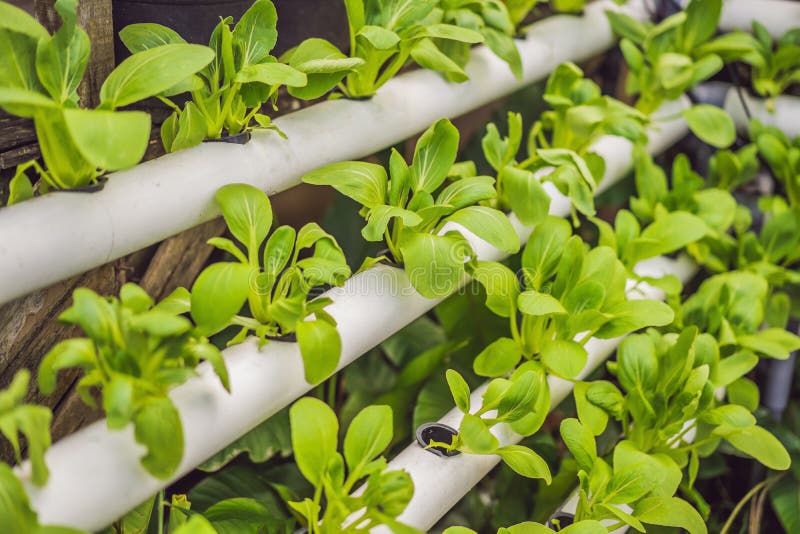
436, 432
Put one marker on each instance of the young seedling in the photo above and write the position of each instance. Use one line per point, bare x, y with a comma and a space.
521, 401
568, 295
228, 94
30, 420
671, 57
40, 75
315, 437
134, 353
491, 19
636, 490
782, 156
559, 146
385, 36
274, 283
518, 11
416, 225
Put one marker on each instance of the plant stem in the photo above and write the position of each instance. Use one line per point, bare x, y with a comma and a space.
768, 483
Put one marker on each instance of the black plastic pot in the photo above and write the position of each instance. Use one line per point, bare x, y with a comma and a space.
560, 520
194, 20
436, 432
93, 188
288, 338
238, 139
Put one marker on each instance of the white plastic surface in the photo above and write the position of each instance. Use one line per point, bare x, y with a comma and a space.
785, 117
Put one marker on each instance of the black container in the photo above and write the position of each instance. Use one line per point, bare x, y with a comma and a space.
194, 20
560, 520
93, 188
239, 139
436, 432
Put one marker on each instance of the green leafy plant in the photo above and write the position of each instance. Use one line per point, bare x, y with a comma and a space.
134, 353
30, 420
227, 96
521, 401
491, 19
416, 225
782, 155
315, 431
275, 284
386, 35
567, 296
645, 483
518, 10
39, 78
588, 526
559, 146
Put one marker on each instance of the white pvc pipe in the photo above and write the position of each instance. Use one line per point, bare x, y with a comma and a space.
439, 483
95, 474
778, 16
59, 235
786, 116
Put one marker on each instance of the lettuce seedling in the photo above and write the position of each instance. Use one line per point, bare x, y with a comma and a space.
774, 66
521, 402
782, 156
645, 483
385, 35
491, 19
559, 146
667, 394
228, 94
315, 437
416, 225
567, 296
39, 78
134, 353
275, 285
30, 420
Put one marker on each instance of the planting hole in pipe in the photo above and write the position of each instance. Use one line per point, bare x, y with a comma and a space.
287, 338
93, 188
436, 432
560, 519
239, 139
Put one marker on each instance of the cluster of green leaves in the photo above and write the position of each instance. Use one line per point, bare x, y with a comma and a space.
491, 19
228, 94
134, 353
644, 483
275, 284
559, 146
774, 66
521, 401
417, 226
315, 436
782, 155
39, 78
588, 526
568, 295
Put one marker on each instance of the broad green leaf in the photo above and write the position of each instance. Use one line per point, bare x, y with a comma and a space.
434, 155
525, 462
563, 357
629, 484
143, 36
365, 183
78, 352
467, 192
637, 363
238, 516
61, 60
256, 33
458, 389
218, 294
196, 524
671, 512
110, 140
711, 124
434, 264
545, 246
772, 342
16, 514
152, 72
248, 214
369, 434
273, 74
118, 401
379, 217
533, 303
580, 442
476, 437
490, 225
157, 426
314, 437
785, 500
667, 234
324, 66
498, 358
320, 347
378, 37
758, 443
17, 20
429, 56
589, 414
501, 285
631, 315
525, 195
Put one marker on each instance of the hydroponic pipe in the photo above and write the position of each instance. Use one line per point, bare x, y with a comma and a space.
778, 16
439, 483
59, 235
95, 475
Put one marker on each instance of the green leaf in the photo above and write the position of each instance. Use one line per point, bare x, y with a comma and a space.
143, 36
271, 438
78, 352
433, 263
544, 248
590, 415
525, 462
785, 500
256, 32
380, 38
314, 437
248, 214
61, 60
671, 512
118, 401
525, 195
476, 437
772, 342
563, 357
110, 140
434, 155
272, 74
459, 389
238, 516
533, 303
369, 434
158, 427
17, 20
366, 183
467, 191
637, 363
197, 524
501, 285
630, 484
490, 225
498, 358
380, 216
218, 294
631, 315
711, 124
580, 442
758, 443
320, 347
152, 72
324, 66
429, 56
667, 234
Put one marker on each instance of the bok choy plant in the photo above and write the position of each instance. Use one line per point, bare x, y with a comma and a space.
782, 155
416, 225
588, 526
315, 438
274, 283
385, 36
134, 353
39, 78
